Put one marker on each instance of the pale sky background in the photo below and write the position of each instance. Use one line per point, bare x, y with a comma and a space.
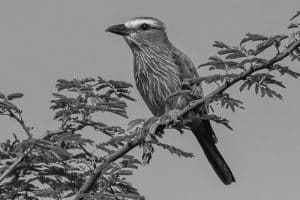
42, 41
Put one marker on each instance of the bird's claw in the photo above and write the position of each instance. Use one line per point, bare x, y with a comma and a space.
173, 115
170, 117
197, 91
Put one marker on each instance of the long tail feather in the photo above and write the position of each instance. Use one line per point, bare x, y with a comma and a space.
205, 136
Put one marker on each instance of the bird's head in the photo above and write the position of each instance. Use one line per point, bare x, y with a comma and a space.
141, 32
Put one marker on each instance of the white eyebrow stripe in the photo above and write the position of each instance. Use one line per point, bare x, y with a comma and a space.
133, 23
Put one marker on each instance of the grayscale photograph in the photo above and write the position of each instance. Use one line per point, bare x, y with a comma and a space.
149, 100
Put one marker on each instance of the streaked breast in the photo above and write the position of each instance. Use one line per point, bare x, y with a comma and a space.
156, 77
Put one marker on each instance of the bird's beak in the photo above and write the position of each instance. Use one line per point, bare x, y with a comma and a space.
119, 29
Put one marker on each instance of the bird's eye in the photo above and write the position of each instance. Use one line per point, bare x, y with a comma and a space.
145, 27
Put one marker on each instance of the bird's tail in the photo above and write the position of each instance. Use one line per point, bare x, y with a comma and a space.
205, 136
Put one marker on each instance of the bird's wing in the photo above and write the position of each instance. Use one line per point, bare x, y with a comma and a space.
187, 70
201, 128
185, 65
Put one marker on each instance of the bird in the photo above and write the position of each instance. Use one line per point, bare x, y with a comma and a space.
159, 71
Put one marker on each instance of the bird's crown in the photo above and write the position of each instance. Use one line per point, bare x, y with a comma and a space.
137, 22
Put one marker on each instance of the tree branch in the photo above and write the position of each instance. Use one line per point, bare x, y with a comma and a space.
13, 166
130, 145
242, 76
110, 158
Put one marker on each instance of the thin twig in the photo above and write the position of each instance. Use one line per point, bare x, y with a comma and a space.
21, 122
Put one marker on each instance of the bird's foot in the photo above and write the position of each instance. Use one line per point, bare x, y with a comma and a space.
173, 115
170, 118
197, 91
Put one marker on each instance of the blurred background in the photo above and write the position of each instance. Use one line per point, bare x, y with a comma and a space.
42, 41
